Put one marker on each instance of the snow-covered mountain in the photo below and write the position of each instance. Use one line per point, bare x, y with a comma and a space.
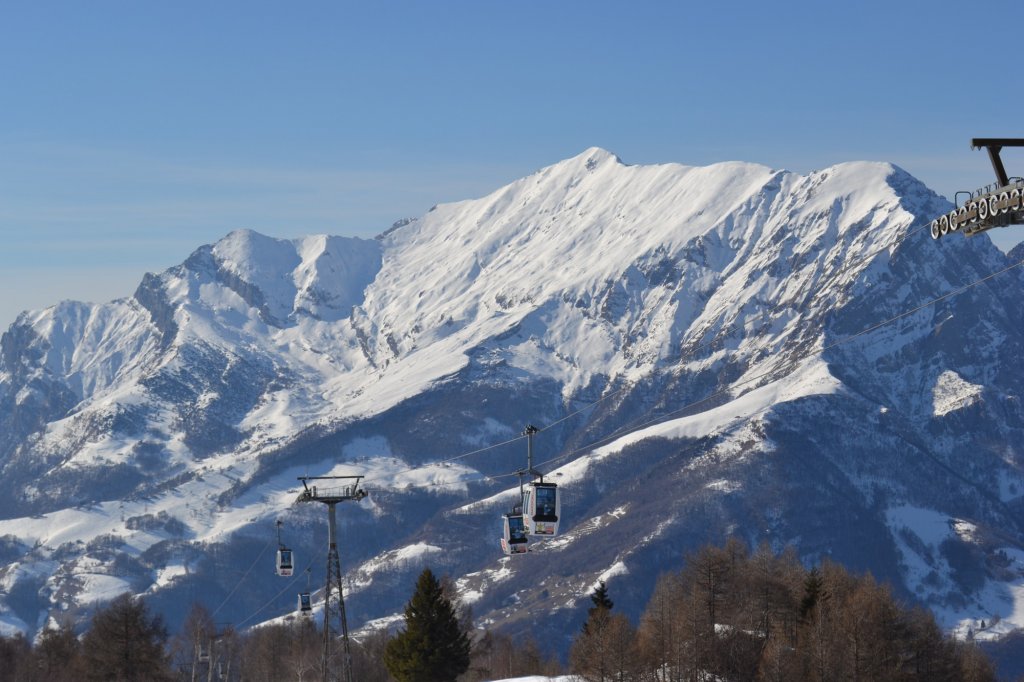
688, 339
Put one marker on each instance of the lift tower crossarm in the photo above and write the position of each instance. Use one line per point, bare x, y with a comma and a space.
994, 145
996, 205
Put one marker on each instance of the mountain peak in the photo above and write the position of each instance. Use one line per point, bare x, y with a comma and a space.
706, 300
599, 155
246, 252
590, 159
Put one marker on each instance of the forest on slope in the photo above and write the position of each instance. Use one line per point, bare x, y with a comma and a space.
728, 614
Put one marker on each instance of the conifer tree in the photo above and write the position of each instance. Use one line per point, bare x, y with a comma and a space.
602, 604
600, 597
433, 647
607, 649
812, 592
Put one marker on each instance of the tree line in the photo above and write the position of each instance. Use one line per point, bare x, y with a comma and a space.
729, 614
126, 642
734, 615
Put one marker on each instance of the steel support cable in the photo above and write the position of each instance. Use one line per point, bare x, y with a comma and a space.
791, 365
665, 417
730, 327
275, 597
244, 576
631, 428
456, 458
860, 260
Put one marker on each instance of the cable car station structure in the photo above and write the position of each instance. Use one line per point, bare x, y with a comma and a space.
996, 205
331, 490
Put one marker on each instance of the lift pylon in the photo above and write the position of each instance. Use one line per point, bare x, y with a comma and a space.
337, 489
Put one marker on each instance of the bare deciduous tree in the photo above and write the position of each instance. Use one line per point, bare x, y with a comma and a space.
125, 642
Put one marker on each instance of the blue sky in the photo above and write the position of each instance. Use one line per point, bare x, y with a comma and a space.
133, 132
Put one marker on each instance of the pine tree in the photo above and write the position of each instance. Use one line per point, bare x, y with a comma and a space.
812, 592
433, 647
600, 597
607, 649
602, 604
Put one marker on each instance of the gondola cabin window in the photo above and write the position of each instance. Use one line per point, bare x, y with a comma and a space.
284, 562
542, 509
514, 538
305, 604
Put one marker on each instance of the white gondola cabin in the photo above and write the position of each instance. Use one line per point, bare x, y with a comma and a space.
284, 562
305, 604
514, 539
541, 508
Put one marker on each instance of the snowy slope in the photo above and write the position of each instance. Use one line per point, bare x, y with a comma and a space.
686, 332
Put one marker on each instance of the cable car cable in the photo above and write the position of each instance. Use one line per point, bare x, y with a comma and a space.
244, 576
274, 598
624, 431
728, 328
791, 365
455, 458
630, 428
619, 432
733, 325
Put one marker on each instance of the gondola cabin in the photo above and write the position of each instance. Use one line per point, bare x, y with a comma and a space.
284, 561
541, 507
514, 539
305, 604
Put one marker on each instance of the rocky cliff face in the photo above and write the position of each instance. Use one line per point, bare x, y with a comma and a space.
698, 346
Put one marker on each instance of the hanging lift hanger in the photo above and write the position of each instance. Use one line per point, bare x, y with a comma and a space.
538, 508
285, 558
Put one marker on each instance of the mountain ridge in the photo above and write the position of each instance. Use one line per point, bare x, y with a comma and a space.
706, 301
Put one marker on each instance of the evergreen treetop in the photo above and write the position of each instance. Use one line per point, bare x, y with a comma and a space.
600, 597
433, 647
601, 608
813, 592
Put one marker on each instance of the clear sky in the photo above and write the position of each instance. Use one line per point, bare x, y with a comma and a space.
133, 132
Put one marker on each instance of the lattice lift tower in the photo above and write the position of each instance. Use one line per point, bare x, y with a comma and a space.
336, 489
